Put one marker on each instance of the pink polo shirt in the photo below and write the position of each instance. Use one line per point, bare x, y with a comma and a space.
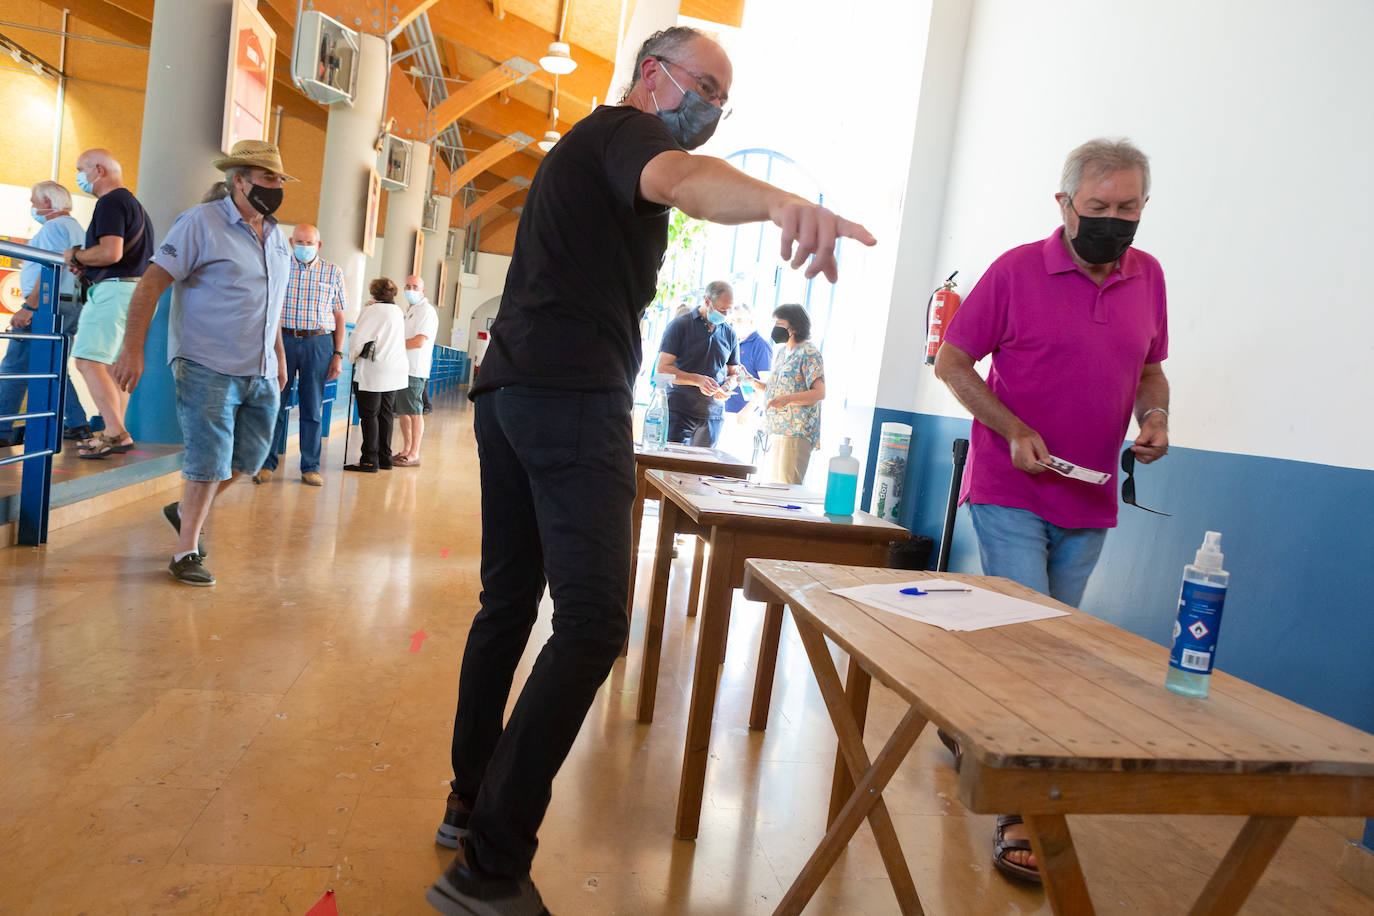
1066, 358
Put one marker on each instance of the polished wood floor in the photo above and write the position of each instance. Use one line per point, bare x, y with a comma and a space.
243, 749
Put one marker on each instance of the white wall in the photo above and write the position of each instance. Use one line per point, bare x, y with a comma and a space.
491, 271
1256, 119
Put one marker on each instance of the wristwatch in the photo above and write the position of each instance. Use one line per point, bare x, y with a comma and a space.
338, 353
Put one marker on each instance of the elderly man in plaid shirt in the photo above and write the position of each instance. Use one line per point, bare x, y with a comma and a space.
312, 326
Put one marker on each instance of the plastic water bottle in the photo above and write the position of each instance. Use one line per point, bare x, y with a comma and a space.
656, 418
842, 486
1199, 620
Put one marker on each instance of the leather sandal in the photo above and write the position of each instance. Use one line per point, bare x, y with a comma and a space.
101, 446
1001, 846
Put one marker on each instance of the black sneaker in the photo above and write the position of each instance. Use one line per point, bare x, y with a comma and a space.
364, 468
466, 890
189, 570
455, 825
77, 433
172, 512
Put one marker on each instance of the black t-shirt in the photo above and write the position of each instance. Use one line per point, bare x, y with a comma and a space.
586, 261
705, 349
119, 213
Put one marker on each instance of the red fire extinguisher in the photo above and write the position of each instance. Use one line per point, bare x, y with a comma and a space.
940, 309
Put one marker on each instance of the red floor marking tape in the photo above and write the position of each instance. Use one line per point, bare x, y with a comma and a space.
444, 552
134, 451
325, 906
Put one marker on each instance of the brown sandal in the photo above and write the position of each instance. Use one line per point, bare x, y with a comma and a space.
101, 446
1001, 846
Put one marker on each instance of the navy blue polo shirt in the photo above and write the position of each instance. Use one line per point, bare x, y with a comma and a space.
702, 348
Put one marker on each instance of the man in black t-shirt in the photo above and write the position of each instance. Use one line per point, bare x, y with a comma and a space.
119, 242
699, 351
552, 419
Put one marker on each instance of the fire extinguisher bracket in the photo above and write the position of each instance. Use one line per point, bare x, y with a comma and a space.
940, 309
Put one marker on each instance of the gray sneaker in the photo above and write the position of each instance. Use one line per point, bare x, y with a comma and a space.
190, 570
466, 891
172, 512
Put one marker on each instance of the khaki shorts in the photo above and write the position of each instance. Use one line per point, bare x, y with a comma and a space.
101, 332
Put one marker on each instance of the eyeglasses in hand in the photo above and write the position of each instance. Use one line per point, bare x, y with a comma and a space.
1128, 483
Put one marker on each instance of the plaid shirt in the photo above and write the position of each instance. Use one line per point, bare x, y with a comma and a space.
314, 293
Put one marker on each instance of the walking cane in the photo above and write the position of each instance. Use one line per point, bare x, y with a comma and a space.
348, 418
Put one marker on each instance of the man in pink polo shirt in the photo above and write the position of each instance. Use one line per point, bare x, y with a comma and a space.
1076, 326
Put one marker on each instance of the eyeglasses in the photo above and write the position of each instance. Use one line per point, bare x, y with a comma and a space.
1128, 483
706, 87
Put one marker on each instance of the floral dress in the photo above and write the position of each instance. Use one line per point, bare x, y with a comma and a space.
794, 372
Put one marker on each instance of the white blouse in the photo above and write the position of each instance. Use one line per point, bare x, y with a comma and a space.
388, 370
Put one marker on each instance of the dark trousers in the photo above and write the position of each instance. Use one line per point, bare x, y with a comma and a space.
558, 481
375, 409
700, 431
307, 362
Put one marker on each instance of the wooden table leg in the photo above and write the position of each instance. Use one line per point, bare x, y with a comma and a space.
856, 689
768, 660
1058, 864
698, 562
658, 600
1245, 861
715, 615
872, 778
636, 527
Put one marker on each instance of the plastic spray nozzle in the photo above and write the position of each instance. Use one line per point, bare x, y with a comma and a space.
1209, 556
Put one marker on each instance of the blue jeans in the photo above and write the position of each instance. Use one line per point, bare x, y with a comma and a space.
703, 432
307, 362
226, 420
16, 361
1023, 547
558, 481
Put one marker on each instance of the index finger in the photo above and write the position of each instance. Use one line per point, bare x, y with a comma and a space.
852, 230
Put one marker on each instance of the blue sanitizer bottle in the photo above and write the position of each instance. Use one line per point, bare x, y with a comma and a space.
1199, 620
842, 486
656, 417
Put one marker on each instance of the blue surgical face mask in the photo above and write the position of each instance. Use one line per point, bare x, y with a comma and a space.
694, 119
413, 296
305, 253
84, 183
38, 218
715, 317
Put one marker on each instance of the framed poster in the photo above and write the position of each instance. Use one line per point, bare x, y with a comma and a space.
11, 296
374, 203
417, 264
248, 86
443, 284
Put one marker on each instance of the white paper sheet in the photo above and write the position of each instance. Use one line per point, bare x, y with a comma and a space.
977, 609
774, 493
1071, 470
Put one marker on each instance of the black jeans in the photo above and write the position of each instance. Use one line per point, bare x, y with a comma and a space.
557, 486
375, 409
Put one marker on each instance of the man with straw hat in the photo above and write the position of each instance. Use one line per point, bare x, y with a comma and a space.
230, 263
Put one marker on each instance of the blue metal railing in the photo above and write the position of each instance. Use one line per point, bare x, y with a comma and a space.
47, 378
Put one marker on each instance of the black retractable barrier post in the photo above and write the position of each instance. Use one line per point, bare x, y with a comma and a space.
956, 479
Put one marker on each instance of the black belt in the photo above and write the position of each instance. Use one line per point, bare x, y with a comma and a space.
297, 332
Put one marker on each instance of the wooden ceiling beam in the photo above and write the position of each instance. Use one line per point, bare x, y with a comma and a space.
470, 23
494, 197
498, 237
475, 92
478, 164
726, 12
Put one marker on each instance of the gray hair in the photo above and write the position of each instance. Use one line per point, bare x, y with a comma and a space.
717, 288
53, 194
222, 189
1102, 157
663, 43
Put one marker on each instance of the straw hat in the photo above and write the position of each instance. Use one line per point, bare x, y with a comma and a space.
253, 154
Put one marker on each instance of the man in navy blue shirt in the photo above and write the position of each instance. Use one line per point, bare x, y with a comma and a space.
700, 351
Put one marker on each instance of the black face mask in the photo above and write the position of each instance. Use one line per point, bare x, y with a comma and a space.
781, 334
1103, 239
264, 200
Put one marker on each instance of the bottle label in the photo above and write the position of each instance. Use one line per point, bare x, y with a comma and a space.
1197, 626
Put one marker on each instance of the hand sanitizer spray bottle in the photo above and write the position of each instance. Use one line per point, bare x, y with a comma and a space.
1199, 620
656, 418
842, 486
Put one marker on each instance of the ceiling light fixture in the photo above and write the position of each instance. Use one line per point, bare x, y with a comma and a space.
550, 138
558, 60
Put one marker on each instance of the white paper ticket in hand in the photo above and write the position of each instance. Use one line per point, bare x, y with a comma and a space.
1069, 469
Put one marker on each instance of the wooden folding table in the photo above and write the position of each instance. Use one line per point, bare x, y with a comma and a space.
736, 532
1056, 717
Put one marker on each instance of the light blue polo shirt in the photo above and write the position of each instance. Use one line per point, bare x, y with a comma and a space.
57, 234
227, 301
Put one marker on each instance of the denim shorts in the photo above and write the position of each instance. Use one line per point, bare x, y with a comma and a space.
100, 334
226, 421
